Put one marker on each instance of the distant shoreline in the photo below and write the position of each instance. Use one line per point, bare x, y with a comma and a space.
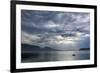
26, 47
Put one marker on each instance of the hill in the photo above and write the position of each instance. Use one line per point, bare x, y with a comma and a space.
27, 47
84, 49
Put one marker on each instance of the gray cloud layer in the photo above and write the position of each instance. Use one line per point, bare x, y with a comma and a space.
59, 30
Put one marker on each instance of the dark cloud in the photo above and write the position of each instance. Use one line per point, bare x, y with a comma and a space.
53, 25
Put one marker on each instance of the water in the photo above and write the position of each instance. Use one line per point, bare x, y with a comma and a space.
45, 56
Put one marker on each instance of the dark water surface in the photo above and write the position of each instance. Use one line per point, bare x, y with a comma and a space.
45, 56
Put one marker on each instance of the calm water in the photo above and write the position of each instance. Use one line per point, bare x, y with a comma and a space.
44, 56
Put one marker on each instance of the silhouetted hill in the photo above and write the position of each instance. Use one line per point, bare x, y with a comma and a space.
27, 47
84, 49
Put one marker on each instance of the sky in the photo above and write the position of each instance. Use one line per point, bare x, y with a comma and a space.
58, 30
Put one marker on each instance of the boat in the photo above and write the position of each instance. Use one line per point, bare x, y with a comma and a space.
73, 55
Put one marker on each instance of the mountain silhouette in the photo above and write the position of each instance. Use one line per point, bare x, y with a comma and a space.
27, 47
84, 49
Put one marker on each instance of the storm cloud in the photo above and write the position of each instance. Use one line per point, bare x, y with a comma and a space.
59, 30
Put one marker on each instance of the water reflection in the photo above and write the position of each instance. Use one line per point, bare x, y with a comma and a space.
44, 56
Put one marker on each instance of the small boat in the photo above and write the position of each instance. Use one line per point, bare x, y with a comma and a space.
73, 55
